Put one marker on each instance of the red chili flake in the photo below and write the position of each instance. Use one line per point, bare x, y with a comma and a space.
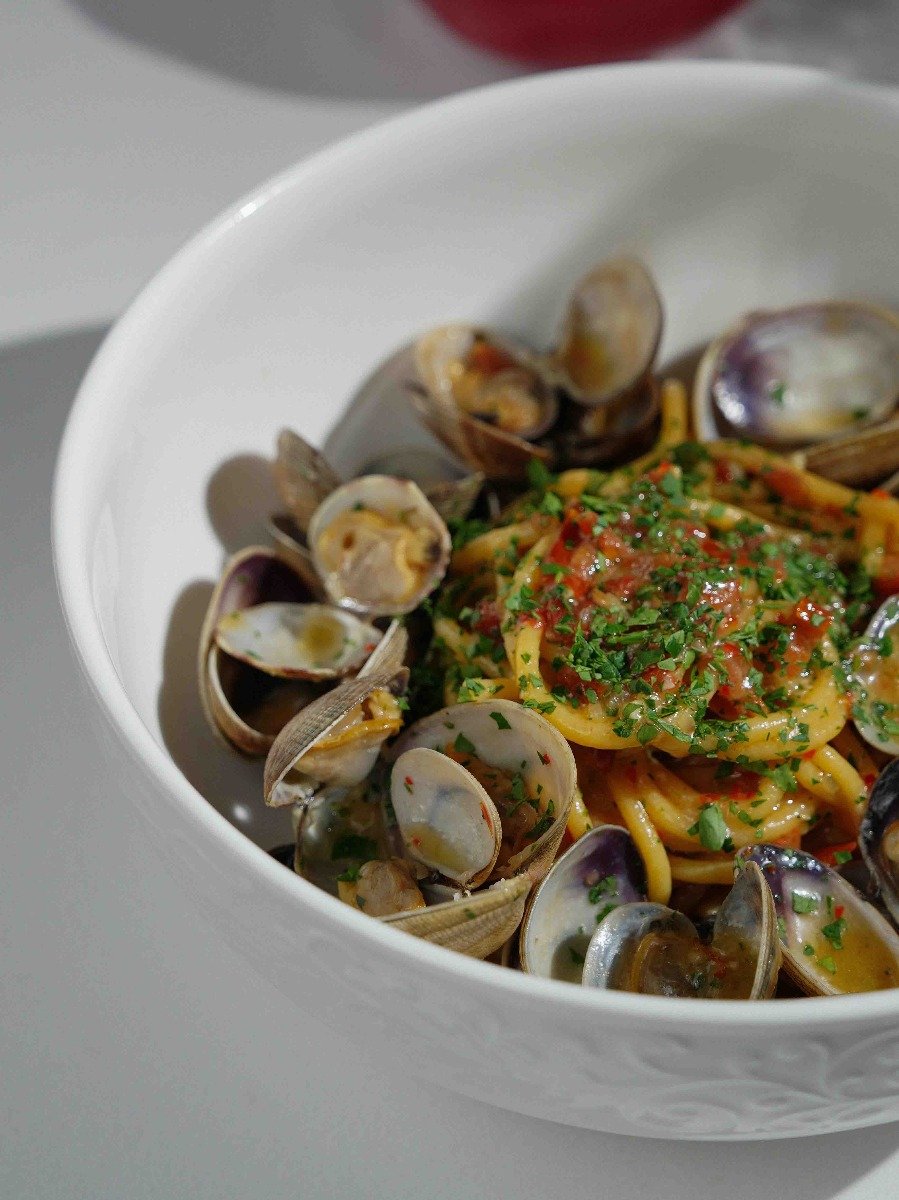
869, 780
809, 755
838, 911
408, 783
544, 758
416, 841
881, 494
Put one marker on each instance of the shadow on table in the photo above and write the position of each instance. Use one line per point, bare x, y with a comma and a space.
335, 49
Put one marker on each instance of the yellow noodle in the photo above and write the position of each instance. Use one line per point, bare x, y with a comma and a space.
646, 838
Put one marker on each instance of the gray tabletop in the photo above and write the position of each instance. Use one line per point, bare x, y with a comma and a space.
139, 1057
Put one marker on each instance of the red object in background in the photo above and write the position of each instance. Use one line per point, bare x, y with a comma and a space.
555, 33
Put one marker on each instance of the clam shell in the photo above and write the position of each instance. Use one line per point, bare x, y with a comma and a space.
821, 954
475, 925
873, 677
866, 457
600, 871
236, 697
351, 764
607, 963
610, 334
446, 819
303, 476
497, 452
803, 374
745, 931
657, 951
878, 837
515, 740
297, 641
360, 571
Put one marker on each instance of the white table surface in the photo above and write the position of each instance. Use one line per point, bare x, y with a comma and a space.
139, 1057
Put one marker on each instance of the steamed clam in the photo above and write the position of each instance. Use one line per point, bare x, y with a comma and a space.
488, 401
803, 374
506, 752
601, 871
833, 941
336, 739
498, 405
245, 703
814, 375
878, 837
873, 676
378, 545
655, 950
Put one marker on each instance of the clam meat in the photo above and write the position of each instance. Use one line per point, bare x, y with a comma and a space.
833, 940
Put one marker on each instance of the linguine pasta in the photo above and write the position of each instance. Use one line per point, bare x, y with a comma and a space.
681, 620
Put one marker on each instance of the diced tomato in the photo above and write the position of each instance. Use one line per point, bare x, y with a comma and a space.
789, 485
887, 581
488, 359
724, 472
487, 618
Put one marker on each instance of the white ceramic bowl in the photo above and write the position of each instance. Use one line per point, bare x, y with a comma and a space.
742, 186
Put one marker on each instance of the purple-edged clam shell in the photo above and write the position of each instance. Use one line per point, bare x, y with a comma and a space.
803, 374
878, 836
833, 940
601, 871
244, 706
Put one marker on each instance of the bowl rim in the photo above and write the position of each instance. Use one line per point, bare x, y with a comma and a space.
70, 541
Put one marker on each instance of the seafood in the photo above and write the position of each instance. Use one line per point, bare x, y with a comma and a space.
816, 373
878, 837
833, 940
873, 675
243, 704
656, 950
601, 871
499, 405
378, 545
632, 729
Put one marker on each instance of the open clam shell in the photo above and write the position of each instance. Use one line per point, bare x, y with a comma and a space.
452, 493
654, 950
378, 545
867, 457
486, 399
291, 544
339, 830
610, 334
297, 641
833, 941
602, 870
878, 837
475, 925
336, 739
446, 819
873, 677
609, 961
242, 704
798, 375
522, 762
303, 476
